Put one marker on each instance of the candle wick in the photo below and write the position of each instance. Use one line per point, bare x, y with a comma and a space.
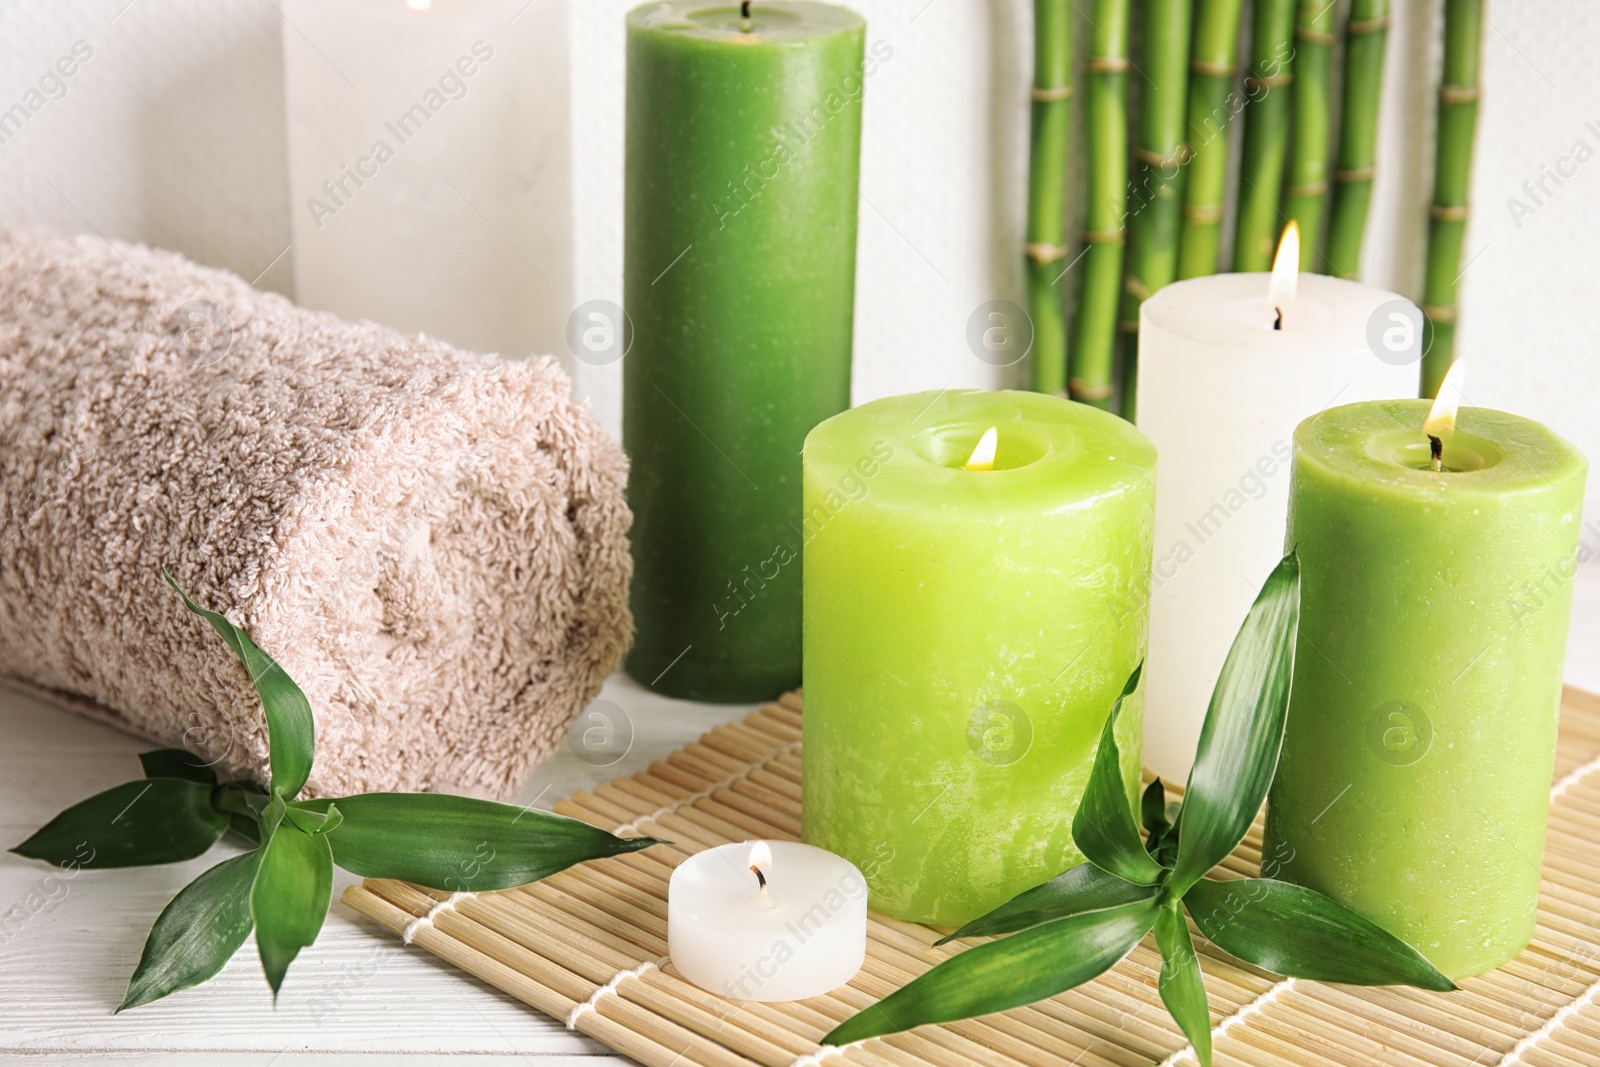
744, 10
1277, 323
1436, 448
761, 880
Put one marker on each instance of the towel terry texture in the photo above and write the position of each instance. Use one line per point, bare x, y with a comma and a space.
432, 543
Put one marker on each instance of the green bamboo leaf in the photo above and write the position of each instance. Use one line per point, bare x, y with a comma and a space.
314, 820
197, 932
1083, 888
1243, 731
272, 813
290, 897
1182, 989
999, 975
177, 763
1298, 932
1157, 824
244, 802
1103, 827
153, 820
1153, 809
245, 827
291, 730
459, 843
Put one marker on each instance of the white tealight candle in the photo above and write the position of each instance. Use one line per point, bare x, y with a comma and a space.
796, 929
1229, 365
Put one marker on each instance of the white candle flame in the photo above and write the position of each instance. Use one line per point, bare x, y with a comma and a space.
982, 458
1285, 272
1442, 416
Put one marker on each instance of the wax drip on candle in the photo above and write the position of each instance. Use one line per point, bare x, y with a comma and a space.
1285, 272
1441, 421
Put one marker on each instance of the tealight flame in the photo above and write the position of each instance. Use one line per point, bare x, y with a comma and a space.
1285, 271
419, 5
760, 863
982, 458
1441, 421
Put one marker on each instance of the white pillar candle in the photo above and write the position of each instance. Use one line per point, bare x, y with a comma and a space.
429, 166
803, 935
1220, 393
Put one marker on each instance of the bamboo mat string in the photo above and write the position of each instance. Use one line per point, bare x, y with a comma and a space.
1555, 1022
610, 989
1238, 1018
1578, 775
632, 827
420, 921
1587, 997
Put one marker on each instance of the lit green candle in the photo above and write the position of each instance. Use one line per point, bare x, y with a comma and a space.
743, 143
1415, 778
966, 633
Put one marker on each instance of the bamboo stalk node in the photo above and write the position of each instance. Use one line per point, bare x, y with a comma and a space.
1203, 214
1311, 36
1308, 189
585, 947
1458, 94
1449, 212
1440, 312
1356, 174
1215, 70
1272, 81
1136, 288
1358, 27
1048, 94
1043, 253
1106, 65
1153, 158
1128, 325
1082, 390
1103, 237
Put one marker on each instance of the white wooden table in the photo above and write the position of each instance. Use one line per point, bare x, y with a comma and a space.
357, 996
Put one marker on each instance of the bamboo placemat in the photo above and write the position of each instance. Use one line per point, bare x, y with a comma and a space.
587, 947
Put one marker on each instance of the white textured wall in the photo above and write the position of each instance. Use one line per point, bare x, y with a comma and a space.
173, 134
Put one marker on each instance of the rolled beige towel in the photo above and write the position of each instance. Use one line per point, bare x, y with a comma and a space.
431, 542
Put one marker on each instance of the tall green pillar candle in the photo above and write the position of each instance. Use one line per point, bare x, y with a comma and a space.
966, 633
743, 141
1415, 778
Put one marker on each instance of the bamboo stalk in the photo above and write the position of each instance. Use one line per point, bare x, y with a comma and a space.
1447, 217
1307, 190
1266, 134
1047, 163
1365, 36
1107, 197
1213, 64
1159, 154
